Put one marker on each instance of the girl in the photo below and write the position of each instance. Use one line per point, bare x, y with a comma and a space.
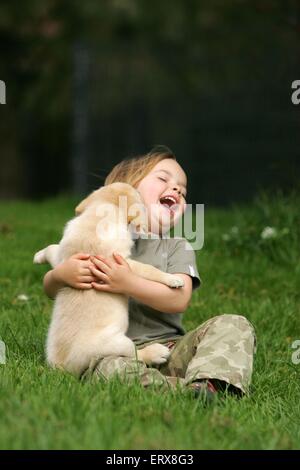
218, 354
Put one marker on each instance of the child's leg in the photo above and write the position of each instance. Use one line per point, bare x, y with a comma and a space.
222, 348
129, 370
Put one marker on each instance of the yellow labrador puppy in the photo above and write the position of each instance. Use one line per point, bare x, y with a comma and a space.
87, 324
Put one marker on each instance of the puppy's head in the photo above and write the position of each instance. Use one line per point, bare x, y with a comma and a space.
122, 195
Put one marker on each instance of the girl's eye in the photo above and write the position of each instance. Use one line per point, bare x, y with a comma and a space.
162, 179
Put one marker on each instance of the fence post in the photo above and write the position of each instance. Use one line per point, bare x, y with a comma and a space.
80, 151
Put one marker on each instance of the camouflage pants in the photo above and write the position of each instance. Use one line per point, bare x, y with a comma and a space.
222, 348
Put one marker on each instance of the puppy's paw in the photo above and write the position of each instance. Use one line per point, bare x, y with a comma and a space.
154, 354
39, 257
173, 281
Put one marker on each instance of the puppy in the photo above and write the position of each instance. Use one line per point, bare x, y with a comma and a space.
87, 324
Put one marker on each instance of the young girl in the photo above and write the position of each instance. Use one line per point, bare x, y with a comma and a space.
217, 354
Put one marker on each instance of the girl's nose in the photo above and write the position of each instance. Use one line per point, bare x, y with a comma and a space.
176, 188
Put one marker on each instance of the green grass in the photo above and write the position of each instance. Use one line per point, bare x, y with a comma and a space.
46, 409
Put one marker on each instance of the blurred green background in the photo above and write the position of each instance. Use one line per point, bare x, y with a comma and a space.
90, 83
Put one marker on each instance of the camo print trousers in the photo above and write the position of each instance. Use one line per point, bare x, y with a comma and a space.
222, 348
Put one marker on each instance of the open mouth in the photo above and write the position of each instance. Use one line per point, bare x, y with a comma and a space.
169, 203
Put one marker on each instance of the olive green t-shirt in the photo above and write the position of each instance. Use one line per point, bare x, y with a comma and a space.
171, 256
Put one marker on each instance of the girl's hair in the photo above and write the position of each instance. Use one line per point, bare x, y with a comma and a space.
133, 170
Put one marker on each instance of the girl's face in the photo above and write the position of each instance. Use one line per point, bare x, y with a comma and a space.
163, 190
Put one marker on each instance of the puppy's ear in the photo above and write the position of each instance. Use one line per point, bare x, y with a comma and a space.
81, 207
86, 202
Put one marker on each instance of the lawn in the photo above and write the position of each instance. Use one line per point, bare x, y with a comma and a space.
242, 271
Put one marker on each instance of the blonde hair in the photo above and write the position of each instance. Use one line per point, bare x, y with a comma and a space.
133, 170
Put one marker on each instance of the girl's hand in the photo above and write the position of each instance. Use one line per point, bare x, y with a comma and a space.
113, 275
75, 272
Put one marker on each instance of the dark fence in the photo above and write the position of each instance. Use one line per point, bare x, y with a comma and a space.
233, 139
213, 85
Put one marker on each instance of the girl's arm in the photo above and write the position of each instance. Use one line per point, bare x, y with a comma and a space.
160, 297
116, 276
74, 272
51, 284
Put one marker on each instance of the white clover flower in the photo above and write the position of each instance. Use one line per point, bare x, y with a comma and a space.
225, 237
234, 230
23, 297
268, 232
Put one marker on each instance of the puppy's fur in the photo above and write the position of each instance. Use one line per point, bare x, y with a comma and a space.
88, 324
